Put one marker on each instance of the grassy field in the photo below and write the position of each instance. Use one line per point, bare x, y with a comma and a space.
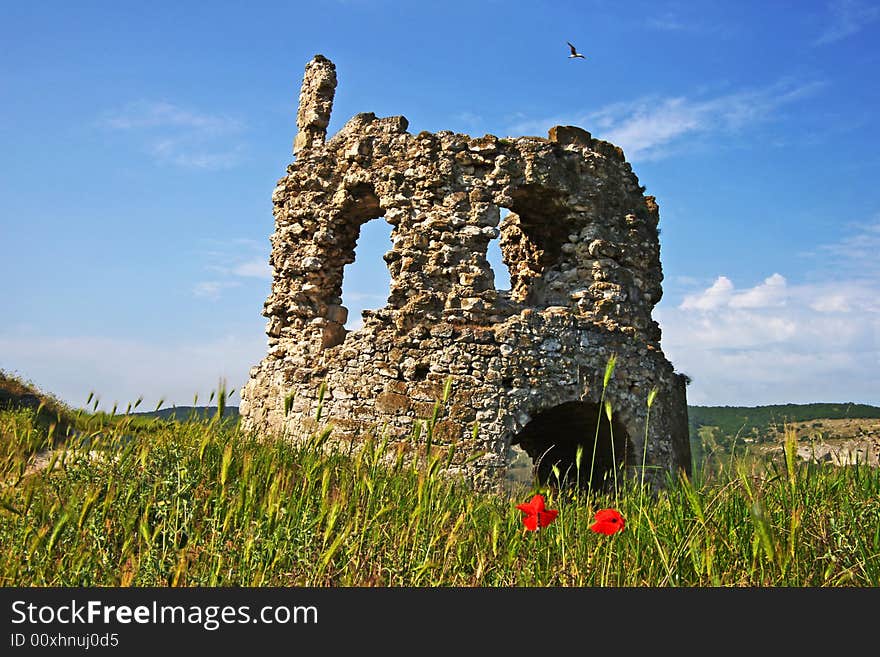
153, 502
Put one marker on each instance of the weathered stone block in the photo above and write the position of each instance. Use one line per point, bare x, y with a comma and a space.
392, 403
570, 134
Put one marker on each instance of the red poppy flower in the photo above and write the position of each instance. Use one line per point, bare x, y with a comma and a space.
608, 521
536, 515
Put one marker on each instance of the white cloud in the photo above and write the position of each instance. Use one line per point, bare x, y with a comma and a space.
831, 304
179, 136
650, 127
153, 114
769, 293
469, 119
847, 18
212, 289
119, 370
667, 23
256, 268
180, 153
776, 342
673, 22
229, 261
716, 295
855, 254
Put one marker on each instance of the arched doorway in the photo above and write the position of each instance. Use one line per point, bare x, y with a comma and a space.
553, 438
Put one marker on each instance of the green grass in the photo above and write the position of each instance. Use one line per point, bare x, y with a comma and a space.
199, 503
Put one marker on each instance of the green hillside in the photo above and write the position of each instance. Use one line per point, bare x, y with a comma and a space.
758, 420
22, 405
717, 429
184, 413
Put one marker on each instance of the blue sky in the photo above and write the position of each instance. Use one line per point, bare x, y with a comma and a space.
141, 143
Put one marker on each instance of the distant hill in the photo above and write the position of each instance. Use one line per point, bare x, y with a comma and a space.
17, 393
722, 429
183, 413
759, 420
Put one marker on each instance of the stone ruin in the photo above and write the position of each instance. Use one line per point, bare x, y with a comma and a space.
526, 365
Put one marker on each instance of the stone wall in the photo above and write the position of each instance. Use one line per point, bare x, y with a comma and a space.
526, 366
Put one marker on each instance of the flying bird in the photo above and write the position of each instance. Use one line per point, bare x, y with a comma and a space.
574, 52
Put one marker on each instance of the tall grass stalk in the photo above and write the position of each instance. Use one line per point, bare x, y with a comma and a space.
609, 371
613, 456
652, 395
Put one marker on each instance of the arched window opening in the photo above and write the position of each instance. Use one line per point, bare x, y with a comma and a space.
500, 269
554, 437
532, 239
366, 282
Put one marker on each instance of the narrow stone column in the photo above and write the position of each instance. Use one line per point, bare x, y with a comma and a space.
315, 103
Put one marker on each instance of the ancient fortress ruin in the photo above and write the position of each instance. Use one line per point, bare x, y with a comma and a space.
526, 365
